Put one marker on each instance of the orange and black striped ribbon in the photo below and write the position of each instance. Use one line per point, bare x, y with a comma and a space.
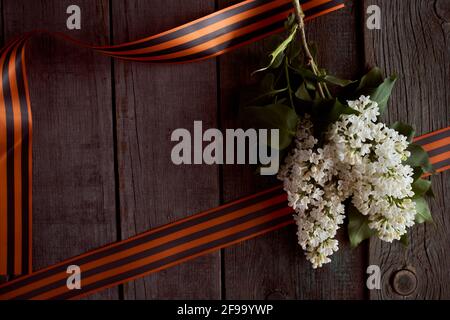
162, 247
15, 161
158, 249
437, 145
180, 241
219, 32
204, 38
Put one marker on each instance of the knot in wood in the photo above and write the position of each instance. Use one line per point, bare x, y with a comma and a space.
276, 295
404, 282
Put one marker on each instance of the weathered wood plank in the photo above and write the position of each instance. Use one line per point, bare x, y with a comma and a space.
414, 42
273, 266
152, 101
2, 42
73, 180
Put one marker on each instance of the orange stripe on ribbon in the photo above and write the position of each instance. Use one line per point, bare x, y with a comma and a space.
437, 144
3, 183
431, 134
440, 157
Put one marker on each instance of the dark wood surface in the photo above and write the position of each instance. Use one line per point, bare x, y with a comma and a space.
102, 168
416, 45
274, 265
151, 102
74, 207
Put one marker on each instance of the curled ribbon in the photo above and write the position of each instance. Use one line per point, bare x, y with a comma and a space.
177, 242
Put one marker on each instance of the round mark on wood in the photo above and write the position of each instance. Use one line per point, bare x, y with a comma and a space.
276, 295
404, 282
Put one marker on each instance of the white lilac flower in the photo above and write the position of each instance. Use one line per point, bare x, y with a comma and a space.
372, 155
361, 159
315, 194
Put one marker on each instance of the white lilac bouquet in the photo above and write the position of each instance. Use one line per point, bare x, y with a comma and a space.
341, 163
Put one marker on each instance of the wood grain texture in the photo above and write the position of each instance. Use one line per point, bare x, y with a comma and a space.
73, 178
273, 266
414, 42
86, 108
153, 101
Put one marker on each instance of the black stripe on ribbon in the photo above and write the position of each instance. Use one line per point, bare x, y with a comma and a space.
239, 40
434, 138
140, 240
188, 29
442, 164
231, 43
215, 34
172, 259
158, 249
439, 151
9, 159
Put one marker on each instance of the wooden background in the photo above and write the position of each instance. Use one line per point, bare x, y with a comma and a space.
102, 169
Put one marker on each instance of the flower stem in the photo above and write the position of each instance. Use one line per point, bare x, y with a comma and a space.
288, 80
300, 16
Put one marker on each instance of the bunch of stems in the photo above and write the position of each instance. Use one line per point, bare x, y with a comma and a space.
300, 16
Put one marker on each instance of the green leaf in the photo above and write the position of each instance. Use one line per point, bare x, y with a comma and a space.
310, 85
279, 59
383, 92
373, 79
423, 211
275, 116
358, 227
302, 93
291, 20
293, 53
268, 94
379, 89
336, 81
430, 193
404, 129
276, 57
267, 82
418, 173
305, 73
419, 158
314, 49
331, 110
420, 187
404, 240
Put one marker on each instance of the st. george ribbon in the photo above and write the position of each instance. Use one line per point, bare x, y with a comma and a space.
166, 246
